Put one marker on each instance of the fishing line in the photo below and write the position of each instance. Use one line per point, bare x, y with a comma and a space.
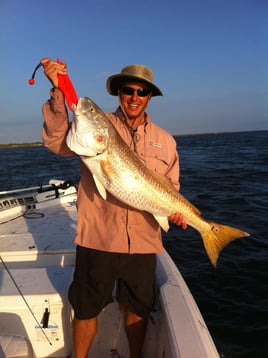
5, 222
31, 80
22, 296
28, 214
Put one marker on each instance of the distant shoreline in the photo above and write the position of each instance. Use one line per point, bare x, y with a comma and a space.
39, 144
15, 145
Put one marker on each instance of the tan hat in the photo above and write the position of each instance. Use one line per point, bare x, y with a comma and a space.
135, 73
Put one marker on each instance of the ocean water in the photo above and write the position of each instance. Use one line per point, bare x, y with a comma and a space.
226, 176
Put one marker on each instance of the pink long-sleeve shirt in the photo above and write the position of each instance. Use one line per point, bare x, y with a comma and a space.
110, 225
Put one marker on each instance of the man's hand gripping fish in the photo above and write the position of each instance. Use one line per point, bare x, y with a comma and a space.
116, 168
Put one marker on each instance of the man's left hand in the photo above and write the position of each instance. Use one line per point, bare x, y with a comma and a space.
178, 219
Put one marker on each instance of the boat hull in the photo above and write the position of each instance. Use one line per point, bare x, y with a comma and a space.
37, 263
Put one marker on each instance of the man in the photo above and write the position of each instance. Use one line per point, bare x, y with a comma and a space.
114, 241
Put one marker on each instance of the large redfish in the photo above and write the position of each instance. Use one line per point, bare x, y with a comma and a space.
116, 168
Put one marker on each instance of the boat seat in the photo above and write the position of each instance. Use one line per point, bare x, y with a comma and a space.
15, 346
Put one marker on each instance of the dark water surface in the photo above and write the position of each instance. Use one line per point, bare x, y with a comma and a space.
226, 176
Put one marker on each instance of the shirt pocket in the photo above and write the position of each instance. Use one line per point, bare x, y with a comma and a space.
156, 158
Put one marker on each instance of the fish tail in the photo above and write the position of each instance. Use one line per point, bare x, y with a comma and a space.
217, 237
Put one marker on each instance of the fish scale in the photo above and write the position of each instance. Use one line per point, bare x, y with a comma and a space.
117, 169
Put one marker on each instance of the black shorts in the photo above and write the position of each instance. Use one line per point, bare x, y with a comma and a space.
94, 279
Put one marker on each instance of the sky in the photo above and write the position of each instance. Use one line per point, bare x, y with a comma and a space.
209, 58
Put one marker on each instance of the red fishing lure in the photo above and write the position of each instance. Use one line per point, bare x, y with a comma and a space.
64, 84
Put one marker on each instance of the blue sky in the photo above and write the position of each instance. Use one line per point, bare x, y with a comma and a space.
209, 57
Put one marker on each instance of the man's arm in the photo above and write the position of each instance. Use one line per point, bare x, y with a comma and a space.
56, 120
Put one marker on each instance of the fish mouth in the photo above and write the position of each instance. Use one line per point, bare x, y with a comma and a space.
74, 124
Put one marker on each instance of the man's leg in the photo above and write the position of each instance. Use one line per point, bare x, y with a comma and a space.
84, 331
135, 327
89, 292
137, 292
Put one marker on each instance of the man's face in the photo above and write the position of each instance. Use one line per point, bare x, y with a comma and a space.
134, 98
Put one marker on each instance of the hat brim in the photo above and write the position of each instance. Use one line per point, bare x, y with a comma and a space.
114, 83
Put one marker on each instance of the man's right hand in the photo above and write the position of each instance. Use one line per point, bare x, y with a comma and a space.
52, 69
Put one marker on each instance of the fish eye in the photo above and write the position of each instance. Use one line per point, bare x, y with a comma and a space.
91, 109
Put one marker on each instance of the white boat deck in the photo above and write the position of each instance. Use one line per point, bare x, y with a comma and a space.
30, 236
37, 259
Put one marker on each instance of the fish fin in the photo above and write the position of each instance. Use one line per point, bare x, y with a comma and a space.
107, 170
162, 221
170, 187
100, 187
217, 237
189, 204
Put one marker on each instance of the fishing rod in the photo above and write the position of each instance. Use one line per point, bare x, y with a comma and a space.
27, 304
24, 189
42, 188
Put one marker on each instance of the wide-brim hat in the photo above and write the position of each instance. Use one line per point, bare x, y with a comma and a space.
135, 73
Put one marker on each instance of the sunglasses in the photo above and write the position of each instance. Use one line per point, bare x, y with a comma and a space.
141, 92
